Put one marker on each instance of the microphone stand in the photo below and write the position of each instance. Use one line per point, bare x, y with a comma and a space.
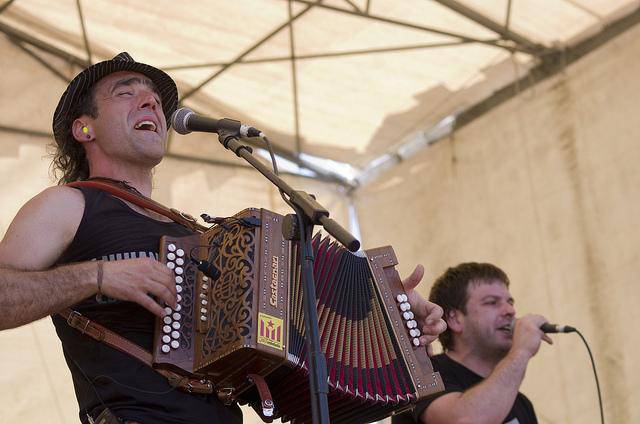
309, 213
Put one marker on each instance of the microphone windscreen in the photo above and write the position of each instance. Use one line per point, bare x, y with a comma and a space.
179, 120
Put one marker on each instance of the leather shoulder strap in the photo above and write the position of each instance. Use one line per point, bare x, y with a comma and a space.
120, 190
190, 384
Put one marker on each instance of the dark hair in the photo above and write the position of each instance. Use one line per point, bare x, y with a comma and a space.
69, 157
450, 289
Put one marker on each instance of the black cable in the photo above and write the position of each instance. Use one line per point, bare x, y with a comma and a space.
595, 374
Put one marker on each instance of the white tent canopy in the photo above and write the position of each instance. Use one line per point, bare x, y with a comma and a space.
533, 102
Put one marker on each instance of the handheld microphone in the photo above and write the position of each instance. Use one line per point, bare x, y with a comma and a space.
548, 328
555, 328
184, 121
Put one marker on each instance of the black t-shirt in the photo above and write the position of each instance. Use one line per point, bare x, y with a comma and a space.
458, 378
102, 376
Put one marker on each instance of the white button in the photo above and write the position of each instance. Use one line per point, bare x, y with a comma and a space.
167, 310
176, 316
180, 252
166, 329
178, 308
167, 319
203, 310
204, 302
400, 298
176, 325
175, 334
166, 339
178, 288
171, 265
171, 256
412, 324
205, 278
407, 315
405, 306
180, 261
404, 298
203, 318
178, 270
416, 342
205, 287
203, 296
175, 344
179, 279
171, 247
414, 332
166, 348
179, 298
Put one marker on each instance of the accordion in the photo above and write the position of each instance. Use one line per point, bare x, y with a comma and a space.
244, 316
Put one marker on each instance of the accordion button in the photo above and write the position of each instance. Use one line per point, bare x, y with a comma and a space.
400, 298
203, 311
175, 334
179, 279
416, 342
165, 348
179, 297
178, 288
205, 278
178, 270
167, 310
180, 261
204, 302
171, 247
171, 256
414, 332
167, 320
180, 252
175, 344
407, 315
166, 339
203, 296
405, 306
176, 316
205, 287
203, 318
175, 325
178, 307
171, 265
412, 324
166, 329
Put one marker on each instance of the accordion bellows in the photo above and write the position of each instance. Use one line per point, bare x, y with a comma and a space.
247, 317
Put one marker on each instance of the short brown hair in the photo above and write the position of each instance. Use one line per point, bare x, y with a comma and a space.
450, 289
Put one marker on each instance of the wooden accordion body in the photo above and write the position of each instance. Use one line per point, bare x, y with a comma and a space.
248, 319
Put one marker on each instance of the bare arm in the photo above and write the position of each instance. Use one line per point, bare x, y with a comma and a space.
492, 399
30, 289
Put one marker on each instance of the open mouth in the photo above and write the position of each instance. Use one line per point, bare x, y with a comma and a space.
146, 126
507, 328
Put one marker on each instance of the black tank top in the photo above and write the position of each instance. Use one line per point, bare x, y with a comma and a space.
103, 376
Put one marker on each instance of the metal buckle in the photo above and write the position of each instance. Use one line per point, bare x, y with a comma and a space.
74, 318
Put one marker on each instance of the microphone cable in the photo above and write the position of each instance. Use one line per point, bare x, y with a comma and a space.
595, 374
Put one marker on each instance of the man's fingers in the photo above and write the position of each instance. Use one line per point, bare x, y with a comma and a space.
412, 280
149, 304
547, 339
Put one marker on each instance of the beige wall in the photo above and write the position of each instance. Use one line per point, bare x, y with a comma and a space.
546, 186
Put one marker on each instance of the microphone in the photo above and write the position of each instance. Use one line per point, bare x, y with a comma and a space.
549, 328
555, 328
184, 121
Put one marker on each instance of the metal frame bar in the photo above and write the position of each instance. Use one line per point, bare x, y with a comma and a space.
84, 31
294, 80
4, 6
247, 51
419, 27
323, 55
521, 41
42, 45
40, 60
551, 64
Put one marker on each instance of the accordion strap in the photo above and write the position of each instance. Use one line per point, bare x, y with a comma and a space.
124, 191
108, 337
